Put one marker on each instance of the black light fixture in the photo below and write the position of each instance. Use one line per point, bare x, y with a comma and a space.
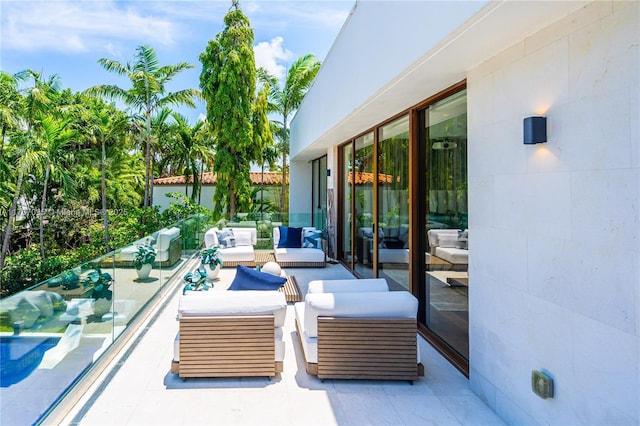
535, 130
328, 172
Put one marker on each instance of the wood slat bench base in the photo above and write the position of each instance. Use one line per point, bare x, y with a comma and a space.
227, 346
366, 348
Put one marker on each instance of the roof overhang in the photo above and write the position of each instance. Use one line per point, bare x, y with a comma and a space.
495, 27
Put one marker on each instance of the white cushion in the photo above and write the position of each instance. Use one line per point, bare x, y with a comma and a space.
448, 240
348, 286
243, 238
211, 238
309, 344
236, 254
298, 255
165, 237
453, 255
393, 304
245, 302
433, 235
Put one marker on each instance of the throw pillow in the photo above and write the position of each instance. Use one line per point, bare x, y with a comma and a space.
290, 237
311, 238
226, 238
249, 279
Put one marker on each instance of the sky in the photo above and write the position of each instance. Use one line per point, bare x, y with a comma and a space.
67, 37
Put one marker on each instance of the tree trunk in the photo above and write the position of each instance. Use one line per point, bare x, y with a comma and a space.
12, 213
103, 185
43, 206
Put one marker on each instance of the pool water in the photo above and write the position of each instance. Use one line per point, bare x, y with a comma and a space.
21, 355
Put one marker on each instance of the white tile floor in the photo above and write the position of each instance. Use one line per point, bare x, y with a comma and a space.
140, 390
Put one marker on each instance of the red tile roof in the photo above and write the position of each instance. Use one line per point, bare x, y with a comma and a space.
270, 178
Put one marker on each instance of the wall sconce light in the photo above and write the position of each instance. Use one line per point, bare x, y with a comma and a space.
328, 172
535, 130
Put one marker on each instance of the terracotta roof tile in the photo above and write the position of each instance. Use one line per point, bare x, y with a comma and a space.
270, 178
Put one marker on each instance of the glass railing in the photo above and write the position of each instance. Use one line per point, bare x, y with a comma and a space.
54, 332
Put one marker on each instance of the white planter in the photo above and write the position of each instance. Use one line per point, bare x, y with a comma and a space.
101, 307
212, 275
144, 271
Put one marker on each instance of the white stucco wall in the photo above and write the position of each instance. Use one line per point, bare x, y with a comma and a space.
554, 228
300, 193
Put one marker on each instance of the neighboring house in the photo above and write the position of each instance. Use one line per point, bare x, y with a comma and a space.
270, 181
435, 94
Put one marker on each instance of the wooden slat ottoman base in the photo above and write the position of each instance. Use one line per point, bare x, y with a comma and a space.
227, 346
366, 348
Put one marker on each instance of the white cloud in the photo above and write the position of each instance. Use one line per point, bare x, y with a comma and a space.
268, 55
72, 26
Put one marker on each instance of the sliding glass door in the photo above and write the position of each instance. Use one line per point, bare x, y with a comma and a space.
445, 200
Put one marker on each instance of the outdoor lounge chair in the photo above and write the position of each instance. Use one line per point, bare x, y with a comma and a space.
230, 334
358, 329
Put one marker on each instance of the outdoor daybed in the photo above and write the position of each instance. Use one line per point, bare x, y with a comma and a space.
299, 247
358, 329
236, 245
230, 334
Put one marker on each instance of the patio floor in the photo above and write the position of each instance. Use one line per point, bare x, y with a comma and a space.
138, 388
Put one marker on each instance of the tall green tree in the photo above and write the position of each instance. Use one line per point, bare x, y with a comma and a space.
11, 107
228, 83
55, 139
29, 160
190, 151
285, 100
147, 95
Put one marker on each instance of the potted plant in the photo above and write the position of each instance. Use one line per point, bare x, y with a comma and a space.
99, 283
195, 281
210, 261
143, 260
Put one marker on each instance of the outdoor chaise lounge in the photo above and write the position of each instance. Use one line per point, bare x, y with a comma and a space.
230, 334
304, 249
358, 329
236, 245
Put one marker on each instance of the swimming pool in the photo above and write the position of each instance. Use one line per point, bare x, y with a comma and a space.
20, 355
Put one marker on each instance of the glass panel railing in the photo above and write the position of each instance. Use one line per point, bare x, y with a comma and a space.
52, 333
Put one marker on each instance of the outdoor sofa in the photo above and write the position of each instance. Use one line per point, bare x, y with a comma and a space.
358, 329
236, 245
297, 247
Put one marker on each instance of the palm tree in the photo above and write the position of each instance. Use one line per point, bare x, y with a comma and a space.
107, 129
285, 100
191, 151
29, 159
55, 138
11, 106
39, 97
147, 95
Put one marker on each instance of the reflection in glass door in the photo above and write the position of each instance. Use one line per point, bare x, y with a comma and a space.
345, 206
445, 198
393, 203
319, 193
363, 173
